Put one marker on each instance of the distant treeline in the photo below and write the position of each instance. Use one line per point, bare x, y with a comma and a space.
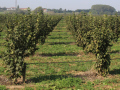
3, 9
60, 10
98, 9
95, 10
68, 11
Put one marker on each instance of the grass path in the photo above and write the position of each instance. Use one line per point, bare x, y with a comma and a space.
60, 46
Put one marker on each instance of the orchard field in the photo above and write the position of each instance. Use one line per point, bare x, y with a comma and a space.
59, 64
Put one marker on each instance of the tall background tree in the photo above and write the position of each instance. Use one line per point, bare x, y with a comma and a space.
38, 9
102, 9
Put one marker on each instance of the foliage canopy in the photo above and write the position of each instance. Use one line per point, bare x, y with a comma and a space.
102, 9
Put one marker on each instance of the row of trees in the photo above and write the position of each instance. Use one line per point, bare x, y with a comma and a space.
95, 34
23, 34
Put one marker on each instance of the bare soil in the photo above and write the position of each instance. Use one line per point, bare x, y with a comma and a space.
5, 81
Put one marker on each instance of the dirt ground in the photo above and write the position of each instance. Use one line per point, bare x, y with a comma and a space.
87, 76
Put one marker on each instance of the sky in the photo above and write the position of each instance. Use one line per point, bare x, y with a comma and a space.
56, 4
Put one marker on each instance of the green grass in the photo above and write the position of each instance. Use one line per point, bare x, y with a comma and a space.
2, 12
2, 87
60, 47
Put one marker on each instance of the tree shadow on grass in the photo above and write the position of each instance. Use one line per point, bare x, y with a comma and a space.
58, 37
58, 54
46, 77
115, 51
66, 43
114, 72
